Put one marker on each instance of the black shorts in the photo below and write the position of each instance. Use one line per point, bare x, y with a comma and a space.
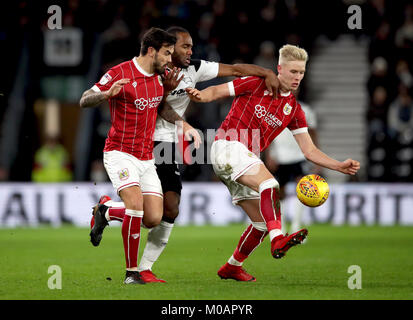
290, 172
168, 170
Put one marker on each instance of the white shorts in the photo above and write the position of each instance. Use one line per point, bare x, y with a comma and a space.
230, 160
124, 170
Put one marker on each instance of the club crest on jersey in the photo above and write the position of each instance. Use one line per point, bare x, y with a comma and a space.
134, 84
123, 174
287, 109
105, 79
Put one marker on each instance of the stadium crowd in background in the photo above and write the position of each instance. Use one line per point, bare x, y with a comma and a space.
390, 87
108, 31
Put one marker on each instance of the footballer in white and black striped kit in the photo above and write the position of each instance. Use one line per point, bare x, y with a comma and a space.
165, 136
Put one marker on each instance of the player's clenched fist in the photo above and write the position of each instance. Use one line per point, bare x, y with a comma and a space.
349, 166
116, 87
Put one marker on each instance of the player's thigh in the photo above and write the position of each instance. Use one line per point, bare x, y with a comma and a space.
252, 209
132, 198
123, 170
152, 210
253, 177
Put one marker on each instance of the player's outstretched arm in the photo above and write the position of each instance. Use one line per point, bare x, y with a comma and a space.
170, 115
242, 70
90, 98
315, 155
209, 94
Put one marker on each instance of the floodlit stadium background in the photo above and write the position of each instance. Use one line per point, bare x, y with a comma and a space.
359, 82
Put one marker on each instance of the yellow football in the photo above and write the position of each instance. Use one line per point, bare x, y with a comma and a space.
312, 190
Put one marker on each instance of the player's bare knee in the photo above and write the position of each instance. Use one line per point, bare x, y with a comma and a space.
171, 212
151, 221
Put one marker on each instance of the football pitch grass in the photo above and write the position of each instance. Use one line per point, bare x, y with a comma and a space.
317, 269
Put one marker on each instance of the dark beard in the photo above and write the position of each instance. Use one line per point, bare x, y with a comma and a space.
159, 69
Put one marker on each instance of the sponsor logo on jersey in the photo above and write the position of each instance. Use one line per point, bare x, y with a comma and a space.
269, 118
180, 92
266, 93
287, 109
260, 111
134, 84
123, 174
105, 79
142, 103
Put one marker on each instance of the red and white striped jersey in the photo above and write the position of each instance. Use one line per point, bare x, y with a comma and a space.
133, 110
256, 118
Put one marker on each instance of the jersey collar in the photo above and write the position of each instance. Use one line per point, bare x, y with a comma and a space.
140, 68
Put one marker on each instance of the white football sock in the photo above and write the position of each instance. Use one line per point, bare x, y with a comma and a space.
298, 212
157, 239
114, 204
234, 262
275, 233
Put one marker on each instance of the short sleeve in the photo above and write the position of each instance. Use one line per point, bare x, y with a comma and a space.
298, 123
245, 85
106, 81
207, 70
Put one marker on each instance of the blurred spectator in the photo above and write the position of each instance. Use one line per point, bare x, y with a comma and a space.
381, 43
404, 35
400, 117
403, 74
51, 162
380, 77
375, 13
176, 12
377, 111
266, 57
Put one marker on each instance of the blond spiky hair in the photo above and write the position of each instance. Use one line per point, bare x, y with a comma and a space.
292, 53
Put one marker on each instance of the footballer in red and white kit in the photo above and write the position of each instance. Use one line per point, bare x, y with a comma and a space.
128, 151
254, 120
134, 90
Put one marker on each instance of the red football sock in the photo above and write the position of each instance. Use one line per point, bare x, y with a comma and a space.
250, 239
131, 227
116, 213
270, 208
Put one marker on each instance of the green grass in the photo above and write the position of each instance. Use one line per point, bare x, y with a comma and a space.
315, 270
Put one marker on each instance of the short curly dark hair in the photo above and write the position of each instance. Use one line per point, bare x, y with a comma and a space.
156, 38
